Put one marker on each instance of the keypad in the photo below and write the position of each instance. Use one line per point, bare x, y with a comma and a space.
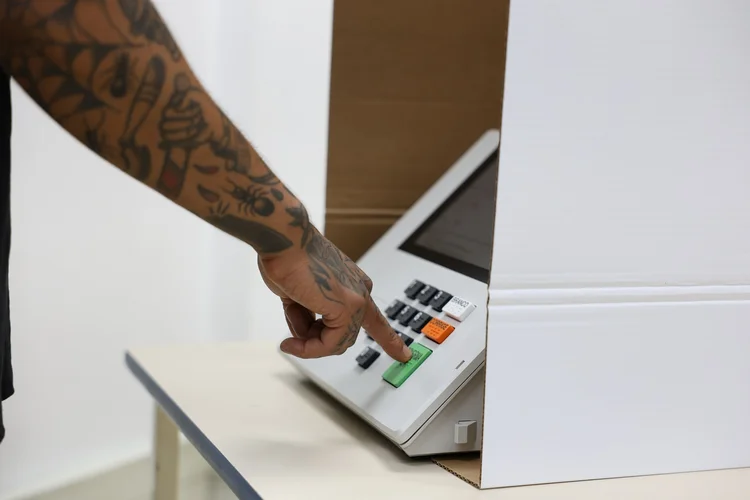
413, 289
406, 315
458, 308
437, 330
367, 358
439, 300
398, 373
425, 296
394, 309
419, 321
407, 340
419, 318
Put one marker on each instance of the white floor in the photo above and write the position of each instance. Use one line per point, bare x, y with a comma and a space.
134, 482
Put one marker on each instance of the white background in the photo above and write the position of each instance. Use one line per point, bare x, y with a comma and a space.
100, 263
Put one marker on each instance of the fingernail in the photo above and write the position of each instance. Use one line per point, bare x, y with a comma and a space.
284, 347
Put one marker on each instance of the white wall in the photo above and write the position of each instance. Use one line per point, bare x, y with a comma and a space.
276, 60
93, 271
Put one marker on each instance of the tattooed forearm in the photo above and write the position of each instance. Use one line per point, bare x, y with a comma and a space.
110, 72
145, 20
137, 159
301, 220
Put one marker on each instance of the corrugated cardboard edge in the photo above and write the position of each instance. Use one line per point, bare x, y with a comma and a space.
468, 468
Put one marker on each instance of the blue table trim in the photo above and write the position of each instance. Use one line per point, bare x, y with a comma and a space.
205, 447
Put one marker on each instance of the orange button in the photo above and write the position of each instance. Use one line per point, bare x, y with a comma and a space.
437, 330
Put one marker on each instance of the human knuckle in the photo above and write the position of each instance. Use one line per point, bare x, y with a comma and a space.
358, 301
367, 282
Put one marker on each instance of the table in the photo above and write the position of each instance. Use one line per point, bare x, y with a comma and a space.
271, 434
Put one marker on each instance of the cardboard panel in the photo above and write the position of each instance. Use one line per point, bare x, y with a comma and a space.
354, 233
412, 86
466, 467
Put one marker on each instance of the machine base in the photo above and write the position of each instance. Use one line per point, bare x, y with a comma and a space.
460, 417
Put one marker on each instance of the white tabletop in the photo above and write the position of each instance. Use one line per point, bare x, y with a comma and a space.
271, 434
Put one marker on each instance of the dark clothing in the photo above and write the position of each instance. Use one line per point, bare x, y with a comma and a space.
6, 373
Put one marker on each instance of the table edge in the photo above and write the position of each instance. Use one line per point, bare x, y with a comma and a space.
228, 473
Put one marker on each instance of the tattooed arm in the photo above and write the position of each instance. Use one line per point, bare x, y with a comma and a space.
111, 74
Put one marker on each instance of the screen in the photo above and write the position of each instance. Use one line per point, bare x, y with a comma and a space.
459, 234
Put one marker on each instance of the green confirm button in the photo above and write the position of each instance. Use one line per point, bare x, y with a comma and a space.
399, 372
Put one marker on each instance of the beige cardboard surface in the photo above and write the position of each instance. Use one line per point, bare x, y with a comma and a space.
357, 232
413, 84
466, 467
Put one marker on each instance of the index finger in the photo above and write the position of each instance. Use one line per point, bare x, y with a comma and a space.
381, 332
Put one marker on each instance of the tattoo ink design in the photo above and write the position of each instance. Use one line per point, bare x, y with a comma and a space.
257, 235
328, 264
322, 279
277, 194
96, 140
137, 157
237, 154
206, 170
237, 159
220, 209
253, 200
43, 63
302, 221
182, 127
208, 195
352, 332
146, 21
119, 78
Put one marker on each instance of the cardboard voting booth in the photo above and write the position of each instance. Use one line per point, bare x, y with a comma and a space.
616, 312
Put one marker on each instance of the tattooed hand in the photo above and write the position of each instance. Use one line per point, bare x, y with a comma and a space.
320, 280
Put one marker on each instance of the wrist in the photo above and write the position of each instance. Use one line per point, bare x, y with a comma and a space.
291, 220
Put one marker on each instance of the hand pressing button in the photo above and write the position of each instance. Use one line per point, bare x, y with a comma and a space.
397, 374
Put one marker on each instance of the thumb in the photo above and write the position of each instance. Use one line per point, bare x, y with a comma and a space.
378, 328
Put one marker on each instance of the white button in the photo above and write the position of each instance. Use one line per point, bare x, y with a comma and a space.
465, 431
458, 308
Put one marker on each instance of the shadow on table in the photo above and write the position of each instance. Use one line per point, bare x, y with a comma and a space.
388, 453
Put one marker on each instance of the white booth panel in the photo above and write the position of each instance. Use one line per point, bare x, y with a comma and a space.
625, 154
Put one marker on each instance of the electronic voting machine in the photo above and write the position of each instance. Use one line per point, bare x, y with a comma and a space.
431, 272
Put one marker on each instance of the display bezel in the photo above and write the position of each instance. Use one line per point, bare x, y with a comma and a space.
467, 269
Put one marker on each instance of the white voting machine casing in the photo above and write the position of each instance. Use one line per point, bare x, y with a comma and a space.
431, 271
